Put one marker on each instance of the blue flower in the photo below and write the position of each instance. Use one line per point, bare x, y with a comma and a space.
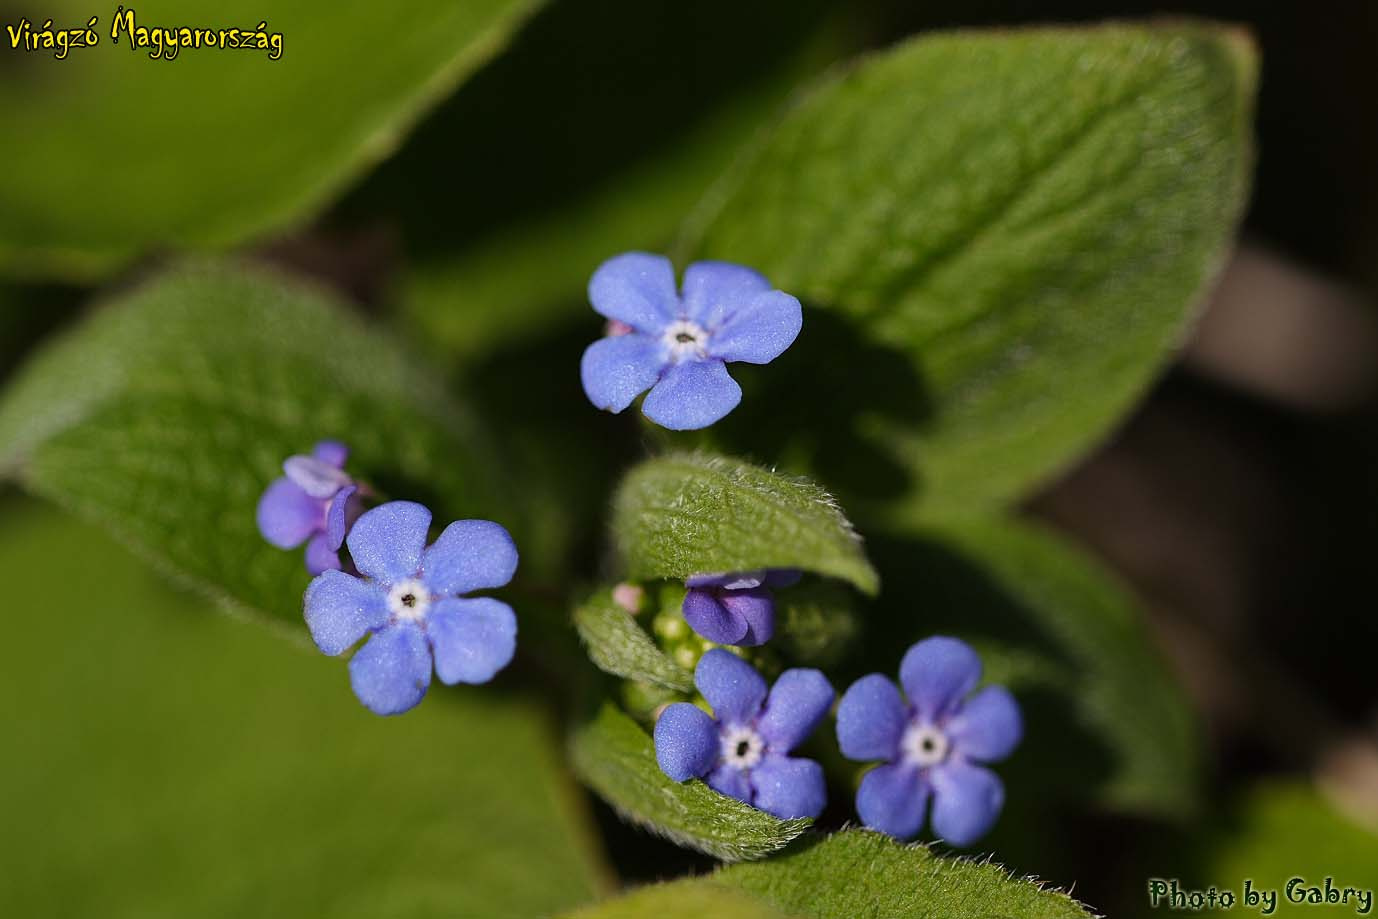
931, 745
742, 753
315, 502
735, 609
678, 346
409, 601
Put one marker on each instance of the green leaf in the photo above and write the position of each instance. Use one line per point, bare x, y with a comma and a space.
689, 899
166, 414
1105, 716
616, 758
686, 514
1003, 235
617, 644
860, 873
217, 146
816, 624
163, 762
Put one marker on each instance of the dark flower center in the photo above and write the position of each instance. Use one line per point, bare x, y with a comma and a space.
409, 599
742, 747
684, 338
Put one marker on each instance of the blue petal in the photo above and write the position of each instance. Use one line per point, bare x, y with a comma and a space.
734, 580
636, 288
870, 719
287, 515
340, 608
755, 608
332, 452
318, 479
319, 556
713, 290
386, 542
788, 787
730, 781
797, 702
616, 370
937, 673
731, 686
893, 798
711, 619
337, 516
989, 726
760, 332
686, 741
470, 555
390, 674
471, 639
692, 395
966, 801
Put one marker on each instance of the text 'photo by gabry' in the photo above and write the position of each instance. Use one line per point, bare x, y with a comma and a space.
161, 42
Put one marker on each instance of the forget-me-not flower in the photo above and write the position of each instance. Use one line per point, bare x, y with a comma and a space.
314, 502
677, 344
409, 602
931, 744
743, 752
735, 609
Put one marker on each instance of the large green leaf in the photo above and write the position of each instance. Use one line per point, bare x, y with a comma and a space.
1003, 233
160, 762
616, 758
166, 414
119, 153
690, 899
685, 514
1105, 717
858, 873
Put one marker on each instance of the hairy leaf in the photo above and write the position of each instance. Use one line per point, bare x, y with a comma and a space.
1005, 233
166, 414
686, 514
688, 899
616, 758
215, 146
618, 644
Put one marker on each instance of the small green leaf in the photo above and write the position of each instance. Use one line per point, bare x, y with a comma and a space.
216, 146
617, 644
815, 623
688, 899
1004, 234
686, 514
616, 758
1069, 640
167, 413
860, 873
160, 761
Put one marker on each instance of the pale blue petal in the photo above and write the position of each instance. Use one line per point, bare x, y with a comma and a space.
755, 608
386, 542
966, 802
391, 672
338, 514
730, 781
989, 726
735, 580
319, 556
937, 673
870, 719
470, 555
686, 741
287, 515
340, 608
711, 619
616, 370
471, 639
713, 290
760, 332
692, 395
787, 787
893, 798
332, 452
798, 701
318, 479
731, 685
636, 288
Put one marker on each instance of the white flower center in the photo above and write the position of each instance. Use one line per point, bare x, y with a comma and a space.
925, 745
409, 600
742, 748
685, 340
